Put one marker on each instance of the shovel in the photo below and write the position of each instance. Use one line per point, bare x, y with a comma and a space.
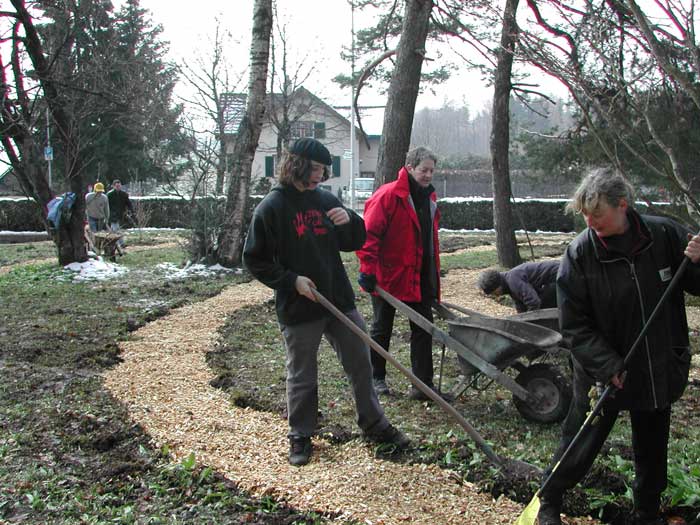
513, 467
529, 514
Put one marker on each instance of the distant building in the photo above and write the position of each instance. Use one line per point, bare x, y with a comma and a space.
309, 116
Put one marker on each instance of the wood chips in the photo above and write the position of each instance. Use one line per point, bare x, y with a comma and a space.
164, 380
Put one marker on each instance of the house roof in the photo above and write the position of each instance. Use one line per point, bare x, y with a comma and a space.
234, 107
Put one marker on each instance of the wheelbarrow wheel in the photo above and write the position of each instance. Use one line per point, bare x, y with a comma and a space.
553, 388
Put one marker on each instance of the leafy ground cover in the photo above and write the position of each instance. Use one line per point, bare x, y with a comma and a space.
250, 365
68, 452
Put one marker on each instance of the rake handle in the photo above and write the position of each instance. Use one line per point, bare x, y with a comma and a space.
417, 382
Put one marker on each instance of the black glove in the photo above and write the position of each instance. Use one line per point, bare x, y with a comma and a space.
368, 281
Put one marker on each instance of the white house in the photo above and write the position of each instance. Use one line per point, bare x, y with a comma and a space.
309, 116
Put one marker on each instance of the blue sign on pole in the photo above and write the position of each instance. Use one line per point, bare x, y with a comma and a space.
48, 153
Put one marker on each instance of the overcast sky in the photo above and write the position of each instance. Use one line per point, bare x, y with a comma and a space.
317, 30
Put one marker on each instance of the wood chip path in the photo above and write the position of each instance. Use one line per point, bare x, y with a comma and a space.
164, 381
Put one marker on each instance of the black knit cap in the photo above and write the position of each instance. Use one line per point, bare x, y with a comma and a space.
311, 149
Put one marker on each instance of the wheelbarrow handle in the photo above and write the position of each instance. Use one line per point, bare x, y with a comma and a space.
471, 357
461, 309
420, 385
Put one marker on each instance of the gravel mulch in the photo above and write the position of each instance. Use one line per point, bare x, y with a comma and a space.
165, 382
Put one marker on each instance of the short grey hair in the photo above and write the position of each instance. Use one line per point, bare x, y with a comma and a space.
601, 185
489, 281
418, 155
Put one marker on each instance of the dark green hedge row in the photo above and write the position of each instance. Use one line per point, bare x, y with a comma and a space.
20, 215
531, 215
168, 212
155, 212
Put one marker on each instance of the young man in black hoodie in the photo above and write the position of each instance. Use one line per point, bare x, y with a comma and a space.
293, 246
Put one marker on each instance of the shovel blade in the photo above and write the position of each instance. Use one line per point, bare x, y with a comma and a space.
529, 514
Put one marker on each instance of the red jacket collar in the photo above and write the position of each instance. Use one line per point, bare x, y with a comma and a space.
403, 187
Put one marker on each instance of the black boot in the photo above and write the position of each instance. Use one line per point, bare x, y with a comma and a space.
550, 511
646, 510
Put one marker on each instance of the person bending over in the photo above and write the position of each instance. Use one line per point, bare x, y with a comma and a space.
531, 285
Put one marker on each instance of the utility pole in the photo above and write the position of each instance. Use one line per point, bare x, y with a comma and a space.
353, 153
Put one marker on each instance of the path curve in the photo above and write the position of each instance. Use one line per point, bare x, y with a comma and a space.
165, 382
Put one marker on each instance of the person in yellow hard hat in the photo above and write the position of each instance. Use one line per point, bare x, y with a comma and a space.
97, 208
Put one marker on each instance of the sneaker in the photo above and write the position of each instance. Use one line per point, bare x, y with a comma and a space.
419, 395
388, 436
549, 514
299, 450
380, 387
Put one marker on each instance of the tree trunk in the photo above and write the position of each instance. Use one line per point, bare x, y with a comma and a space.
403, 91
230, 244
508, 255
71, 245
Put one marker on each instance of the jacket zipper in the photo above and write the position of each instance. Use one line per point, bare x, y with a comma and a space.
646, 339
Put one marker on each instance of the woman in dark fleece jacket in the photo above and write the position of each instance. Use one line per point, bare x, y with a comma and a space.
293, 245
610, 279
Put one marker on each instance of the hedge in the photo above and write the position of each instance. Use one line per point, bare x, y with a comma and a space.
20, 214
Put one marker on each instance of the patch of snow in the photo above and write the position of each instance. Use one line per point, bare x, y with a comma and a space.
94, 270
538, 232
193, 270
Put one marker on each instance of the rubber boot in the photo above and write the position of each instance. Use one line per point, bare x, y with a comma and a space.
550, 511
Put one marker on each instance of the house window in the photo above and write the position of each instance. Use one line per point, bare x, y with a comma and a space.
319, 130
269, 166
336, 167
308, 128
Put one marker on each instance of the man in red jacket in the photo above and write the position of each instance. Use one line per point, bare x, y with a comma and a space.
401, 254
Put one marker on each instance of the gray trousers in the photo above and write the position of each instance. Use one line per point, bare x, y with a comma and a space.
302, 342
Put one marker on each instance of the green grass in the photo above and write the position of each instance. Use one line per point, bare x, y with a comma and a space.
70, 454
16, 253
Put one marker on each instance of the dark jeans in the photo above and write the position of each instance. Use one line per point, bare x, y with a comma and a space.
421, 341
650, 429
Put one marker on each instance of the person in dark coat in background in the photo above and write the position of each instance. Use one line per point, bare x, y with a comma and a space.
401, 254
611, 277
531, 285
293, 246
119, 207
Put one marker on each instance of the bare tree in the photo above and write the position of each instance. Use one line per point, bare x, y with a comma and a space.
627, 76
288, 103
19, 118
210, 80
231, 238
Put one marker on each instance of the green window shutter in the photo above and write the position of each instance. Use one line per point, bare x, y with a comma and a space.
336, 166
319, 130
270, 166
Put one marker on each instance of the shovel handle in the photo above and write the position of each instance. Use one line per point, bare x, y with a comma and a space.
420, 385
610, 388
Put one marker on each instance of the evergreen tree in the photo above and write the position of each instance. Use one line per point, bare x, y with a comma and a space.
142, 133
